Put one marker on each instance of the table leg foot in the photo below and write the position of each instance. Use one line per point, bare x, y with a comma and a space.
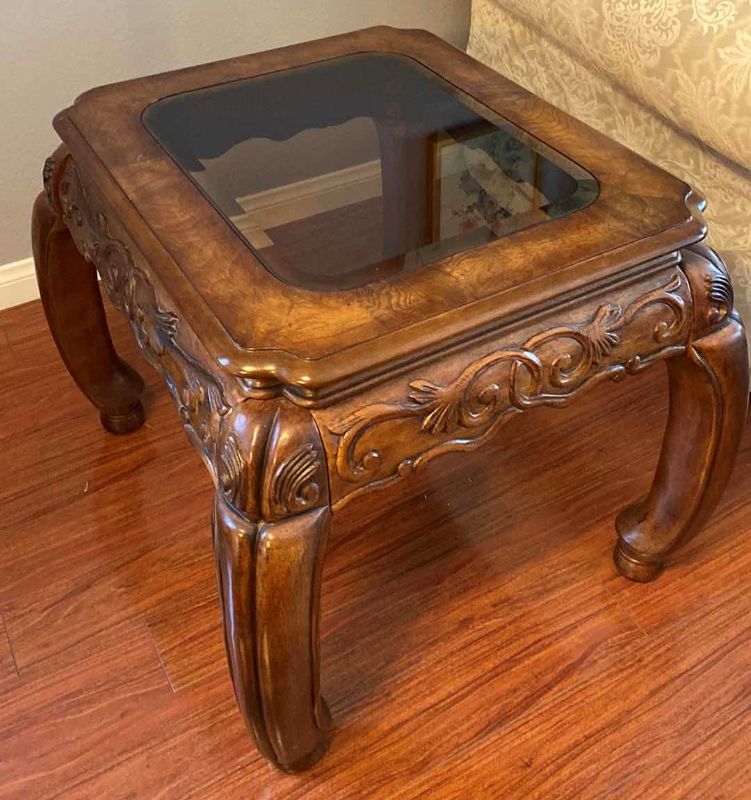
123, 422
319, 751
630, 566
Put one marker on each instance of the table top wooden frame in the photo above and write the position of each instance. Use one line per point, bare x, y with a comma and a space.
315, 345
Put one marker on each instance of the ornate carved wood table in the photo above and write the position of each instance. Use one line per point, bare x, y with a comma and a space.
349, 257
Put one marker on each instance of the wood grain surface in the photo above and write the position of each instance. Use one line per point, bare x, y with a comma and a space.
477, 641
320, 343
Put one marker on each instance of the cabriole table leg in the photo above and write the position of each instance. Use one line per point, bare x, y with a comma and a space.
271, 525
708, 402
75, 314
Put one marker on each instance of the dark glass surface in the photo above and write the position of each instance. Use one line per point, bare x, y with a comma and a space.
350, 170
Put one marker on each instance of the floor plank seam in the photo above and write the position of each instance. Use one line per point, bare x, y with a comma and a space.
10, 646
159, 657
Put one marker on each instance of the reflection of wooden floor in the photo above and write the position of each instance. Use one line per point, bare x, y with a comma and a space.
336, 245
329, 244
477, 642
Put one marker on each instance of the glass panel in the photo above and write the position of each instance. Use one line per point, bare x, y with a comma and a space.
350, 170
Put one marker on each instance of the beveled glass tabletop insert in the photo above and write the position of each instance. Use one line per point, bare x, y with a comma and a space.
347, 171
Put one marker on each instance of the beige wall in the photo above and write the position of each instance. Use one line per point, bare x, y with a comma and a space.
52, 50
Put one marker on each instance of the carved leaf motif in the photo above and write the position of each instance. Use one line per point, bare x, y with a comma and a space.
444, 414
600, 331
230, 469
50, 165
165, 325
720, 295
201, 402
293, 488
462, 404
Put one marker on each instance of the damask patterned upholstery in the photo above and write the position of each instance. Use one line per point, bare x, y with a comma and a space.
670, 79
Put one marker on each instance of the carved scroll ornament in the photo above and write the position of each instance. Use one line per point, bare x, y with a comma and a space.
293, 487
711, 288
199, 395
720, 297
548, 369
270, 461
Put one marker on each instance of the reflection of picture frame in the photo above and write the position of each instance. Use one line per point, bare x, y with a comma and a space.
447, 146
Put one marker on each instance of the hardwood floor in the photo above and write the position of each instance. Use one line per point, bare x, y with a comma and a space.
477, 642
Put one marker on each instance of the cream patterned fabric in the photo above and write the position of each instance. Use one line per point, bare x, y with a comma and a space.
689, 60
671, 79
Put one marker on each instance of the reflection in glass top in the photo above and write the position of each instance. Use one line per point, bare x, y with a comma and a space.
350, 170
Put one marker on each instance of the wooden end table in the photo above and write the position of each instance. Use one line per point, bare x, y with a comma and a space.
348, 257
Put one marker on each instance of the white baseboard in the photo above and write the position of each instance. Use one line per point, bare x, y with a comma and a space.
294, 201
18, 283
